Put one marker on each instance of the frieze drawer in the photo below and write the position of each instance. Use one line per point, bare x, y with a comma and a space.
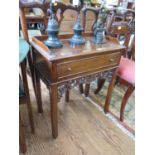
84, 65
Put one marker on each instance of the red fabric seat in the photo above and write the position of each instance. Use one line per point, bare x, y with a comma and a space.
126, 70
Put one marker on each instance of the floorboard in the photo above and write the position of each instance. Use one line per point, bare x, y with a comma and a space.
83, 129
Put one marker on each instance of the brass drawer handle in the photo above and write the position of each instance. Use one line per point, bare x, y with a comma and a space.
69, 69
119, 28
111, 60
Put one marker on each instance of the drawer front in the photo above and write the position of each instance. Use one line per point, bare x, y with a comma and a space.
87, 64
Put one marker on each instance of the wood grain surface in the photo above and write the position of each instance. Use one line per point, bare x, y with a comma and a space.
83, 130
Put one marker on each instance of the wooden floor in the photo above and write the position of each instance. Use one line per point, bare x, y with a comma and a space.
83, 130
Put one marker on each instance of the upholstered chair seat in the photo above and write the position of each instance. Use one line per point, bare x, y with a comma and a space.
126, 70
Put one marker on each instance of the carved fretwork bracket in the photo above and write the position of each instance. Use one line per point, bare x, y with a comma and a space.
63, 87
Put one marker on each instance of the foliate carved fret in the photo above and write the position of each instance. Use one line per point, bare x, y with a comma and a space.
62, 88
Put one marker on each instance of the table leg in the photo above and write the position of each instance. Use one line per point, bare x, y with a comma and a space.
100, 83
87, 87
54, 109
81, 88
67, 96
109, 93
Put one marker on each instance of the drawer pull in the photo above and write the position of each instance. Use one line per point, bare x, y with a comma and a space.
119, 27
111, 60
69, 69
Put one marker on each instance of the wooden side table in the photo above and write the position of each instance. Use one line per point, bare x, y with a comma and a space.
67, 67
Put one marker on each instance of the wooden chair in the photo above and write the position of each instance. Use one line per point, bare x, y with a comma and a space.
111, 27
59, 10
126, 75
117, 30
127, 15
126, 72
95, 11
24, 98
108, 23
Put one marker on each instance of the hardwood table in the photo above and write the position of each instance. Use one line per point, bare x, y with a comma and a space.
69, 66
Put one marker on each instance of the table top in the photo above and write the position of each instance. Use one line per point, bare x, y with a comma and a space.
68, 51
23, 49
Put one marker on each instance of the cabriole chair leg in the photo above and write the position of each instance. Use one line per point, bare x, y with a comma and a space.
124, 101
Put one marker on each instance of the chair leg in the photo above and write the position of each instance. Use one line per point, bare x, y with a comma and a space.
30, 116
67, 96
26, 37
109, 93
81, 88
117, 80
87, 87
30, 62
100, 83
38, 92
21, 137
28, 102
124, 101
